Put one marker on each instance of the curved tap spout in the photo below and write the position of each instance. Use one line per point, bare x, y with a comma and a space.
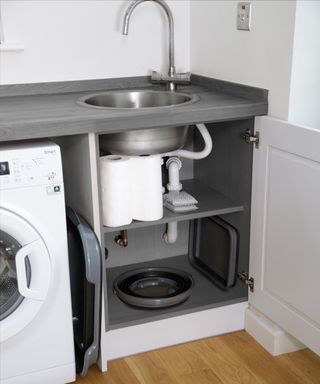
168, 12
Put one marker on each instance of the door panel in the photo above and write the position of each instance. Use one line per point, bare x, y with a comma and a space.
285, 228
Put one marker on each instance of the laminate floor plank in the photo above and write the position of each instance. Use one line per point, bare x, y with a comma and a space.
179, 364
224, 364
247, 352
234, 358
305, 364
149, 371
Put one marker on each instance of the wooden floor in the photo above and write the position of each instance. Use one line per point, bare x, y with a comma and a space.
229, 359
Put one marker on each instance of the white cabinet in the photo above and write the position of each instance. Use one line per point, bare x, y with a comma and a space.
285, 228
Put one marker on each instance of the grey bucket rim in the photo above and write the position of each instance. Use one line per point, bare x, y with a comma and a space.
153, 303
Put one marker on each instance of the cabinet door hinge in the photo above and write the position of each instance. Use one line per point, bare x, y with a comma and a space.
249, 281
249, 138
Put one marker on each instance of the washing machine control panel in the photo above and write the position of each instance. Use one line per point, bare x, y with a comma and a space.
27, 165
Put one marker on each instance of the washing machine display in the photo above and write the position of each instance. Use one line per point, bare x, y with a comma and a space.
4, 168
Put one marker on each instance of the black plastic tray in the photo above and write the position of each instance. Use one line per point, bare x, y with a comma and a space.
213, 250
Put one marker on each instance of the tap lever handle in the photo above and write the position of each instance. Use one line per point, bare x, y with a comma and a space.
177, 78
184, 76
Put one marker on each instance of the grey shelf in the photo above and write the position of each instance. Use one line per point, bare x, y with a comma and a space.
211, 203
205, 295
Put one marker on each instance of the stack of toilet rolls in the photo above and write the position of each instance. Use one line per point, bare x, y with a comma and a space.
131, 189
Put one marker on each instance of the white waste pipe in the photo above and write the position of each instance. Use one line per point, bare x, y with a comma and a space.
174, 165
195, 155
171, 235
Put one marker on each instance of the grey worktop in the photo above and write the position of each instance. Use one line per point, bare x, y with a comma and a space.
51, 109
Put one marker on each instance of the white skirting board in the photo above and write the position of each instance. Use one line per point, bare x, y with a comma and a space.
176, 330
274, 339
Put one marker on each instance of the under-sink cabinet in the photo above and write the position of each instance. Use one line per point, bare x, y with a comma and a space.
267, 191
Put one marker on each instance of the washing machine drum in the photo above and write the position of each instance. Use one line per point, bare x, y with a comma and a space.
153, 287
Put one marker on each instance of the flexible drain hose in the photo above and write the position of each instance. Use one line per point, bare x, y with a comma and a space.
195, 155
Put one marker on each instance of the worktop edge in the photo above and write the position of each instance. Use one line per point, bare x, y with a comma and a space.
63, 127
98, 85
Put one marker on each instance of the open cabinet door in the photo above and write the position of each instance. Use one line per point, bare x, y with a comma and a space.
285, 228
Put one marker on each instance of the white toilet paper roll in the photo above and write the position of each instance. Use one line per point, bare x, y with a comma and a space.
146, 187
115, 173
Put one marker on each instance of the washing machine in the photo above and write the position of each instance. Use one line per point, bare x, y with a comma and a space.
36, 335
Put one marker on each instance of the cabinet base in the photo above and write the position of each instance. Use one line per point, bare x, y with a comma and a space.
274, 339
127, 341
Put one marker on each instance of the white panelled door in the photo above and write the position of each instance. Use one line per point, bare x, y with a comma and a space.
285, 228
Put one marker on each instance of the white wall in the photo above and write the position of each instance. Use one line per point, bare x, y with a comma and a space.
81, 39
69, 40
305, 84
261, 57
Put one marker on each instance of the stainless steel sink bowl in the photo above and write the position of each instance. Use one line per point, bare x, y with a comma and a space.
148, 141
144, 141
135, 99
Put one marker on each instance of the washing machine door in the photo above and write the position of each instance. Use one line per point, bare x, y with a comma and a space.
25, 271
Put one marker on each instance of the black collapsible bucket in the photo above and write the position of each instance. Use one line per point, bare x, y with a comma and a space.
153, 287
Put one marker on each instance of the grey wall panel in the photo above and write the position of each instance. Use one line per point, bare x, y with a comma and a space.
146, 244
228, 169
186, 171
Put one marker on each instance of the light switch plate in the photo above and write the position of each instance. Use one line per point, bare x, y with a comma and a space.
244, 16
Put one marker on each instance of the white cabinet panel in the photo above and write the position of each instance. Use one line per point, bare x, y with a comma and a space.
285, 228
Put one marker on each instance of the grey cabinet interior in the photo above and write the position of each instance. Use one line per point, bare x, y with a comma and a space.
222, 184
205, 295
